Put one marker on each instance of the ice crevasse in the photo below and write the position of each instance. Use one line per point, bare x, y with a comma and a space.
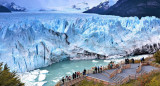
28, 44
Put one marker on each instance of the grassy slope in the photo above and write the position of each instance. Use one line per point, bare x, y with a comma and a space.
89, 83
146, 80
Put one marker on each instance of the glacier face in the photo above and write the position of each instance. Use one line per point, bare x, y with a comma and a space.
33, 40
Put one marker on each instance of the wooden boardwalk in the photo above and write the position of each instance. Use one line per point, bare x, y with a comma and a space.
133, 72
116, 76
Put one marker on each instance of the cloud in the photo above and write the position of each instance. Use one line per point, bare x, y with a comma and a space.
53, 4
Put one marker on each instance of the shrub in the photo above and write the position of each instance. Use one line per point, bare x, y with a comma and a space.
151, 79
155, 81
90, 83
8, 78
157, 56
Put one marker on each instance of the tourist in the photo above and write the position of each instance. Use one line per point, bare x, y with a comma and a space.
132, 60
95, 69
143, 59
125, 61
111, 65
69, 78
84, 71
98, 69
73, 75
117, 65
101, 69
78, 74
63, 80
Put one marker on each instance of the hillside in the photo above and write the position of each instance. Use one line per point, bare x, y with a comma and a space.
4, 9
139, 8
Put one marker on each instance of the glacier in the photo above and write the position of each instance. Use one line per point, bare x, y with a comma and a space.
32, 40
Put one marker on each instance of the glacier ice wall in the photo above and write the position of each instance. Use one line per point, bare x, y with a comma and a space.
32, 41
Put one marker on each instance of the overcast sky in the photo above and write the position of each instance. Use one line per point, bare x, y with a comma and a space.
54, 4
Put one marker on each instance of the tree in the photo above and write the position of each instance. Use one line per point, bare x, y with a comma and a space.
157, 56
8, 78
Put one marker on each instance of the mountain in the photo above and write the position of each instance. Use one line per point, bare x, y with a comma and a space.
139, 8
13, 7
81, 6
101, 8
68, 6
4, 9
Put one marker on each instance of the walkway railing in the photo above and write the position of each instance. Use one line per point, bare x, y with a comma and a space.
115, 72
139, 68
71, 82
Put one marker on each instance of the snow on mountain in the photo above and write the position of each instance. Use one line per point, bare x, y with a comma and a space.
13, 7
29, 41
102, 7
129, 8
81, 6
58, 5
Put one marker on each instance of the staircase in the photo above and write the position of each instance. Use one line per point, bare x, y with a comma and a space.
143, 72
105, 74
117, 78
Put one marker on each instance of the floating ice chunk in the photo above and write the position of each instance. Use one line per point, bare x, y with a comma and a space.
56, 80
35, 72
42, 77
107, 61
95, 61
44, 71
40, 83
28, 77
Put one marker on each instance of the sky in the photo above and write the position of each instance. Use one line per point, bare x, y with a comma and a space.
54, 4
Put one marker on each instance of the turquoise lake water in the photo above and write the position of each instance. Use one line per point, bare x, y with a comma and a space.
58, 70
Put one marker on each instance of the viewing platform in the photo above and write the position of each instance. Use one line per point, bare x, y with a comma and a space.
116, 75
120, 77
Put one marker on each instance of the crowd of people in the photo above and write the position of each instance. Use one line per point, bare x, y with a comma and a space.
74, 76
97, 69
127, 61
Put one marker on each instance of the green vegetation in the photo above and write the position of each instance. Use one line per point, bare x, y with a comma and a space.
157, 56
89, 83
151, 79
8, 78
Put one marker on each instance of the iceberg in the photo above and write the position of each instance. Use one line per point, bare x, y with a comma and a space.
33, 40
